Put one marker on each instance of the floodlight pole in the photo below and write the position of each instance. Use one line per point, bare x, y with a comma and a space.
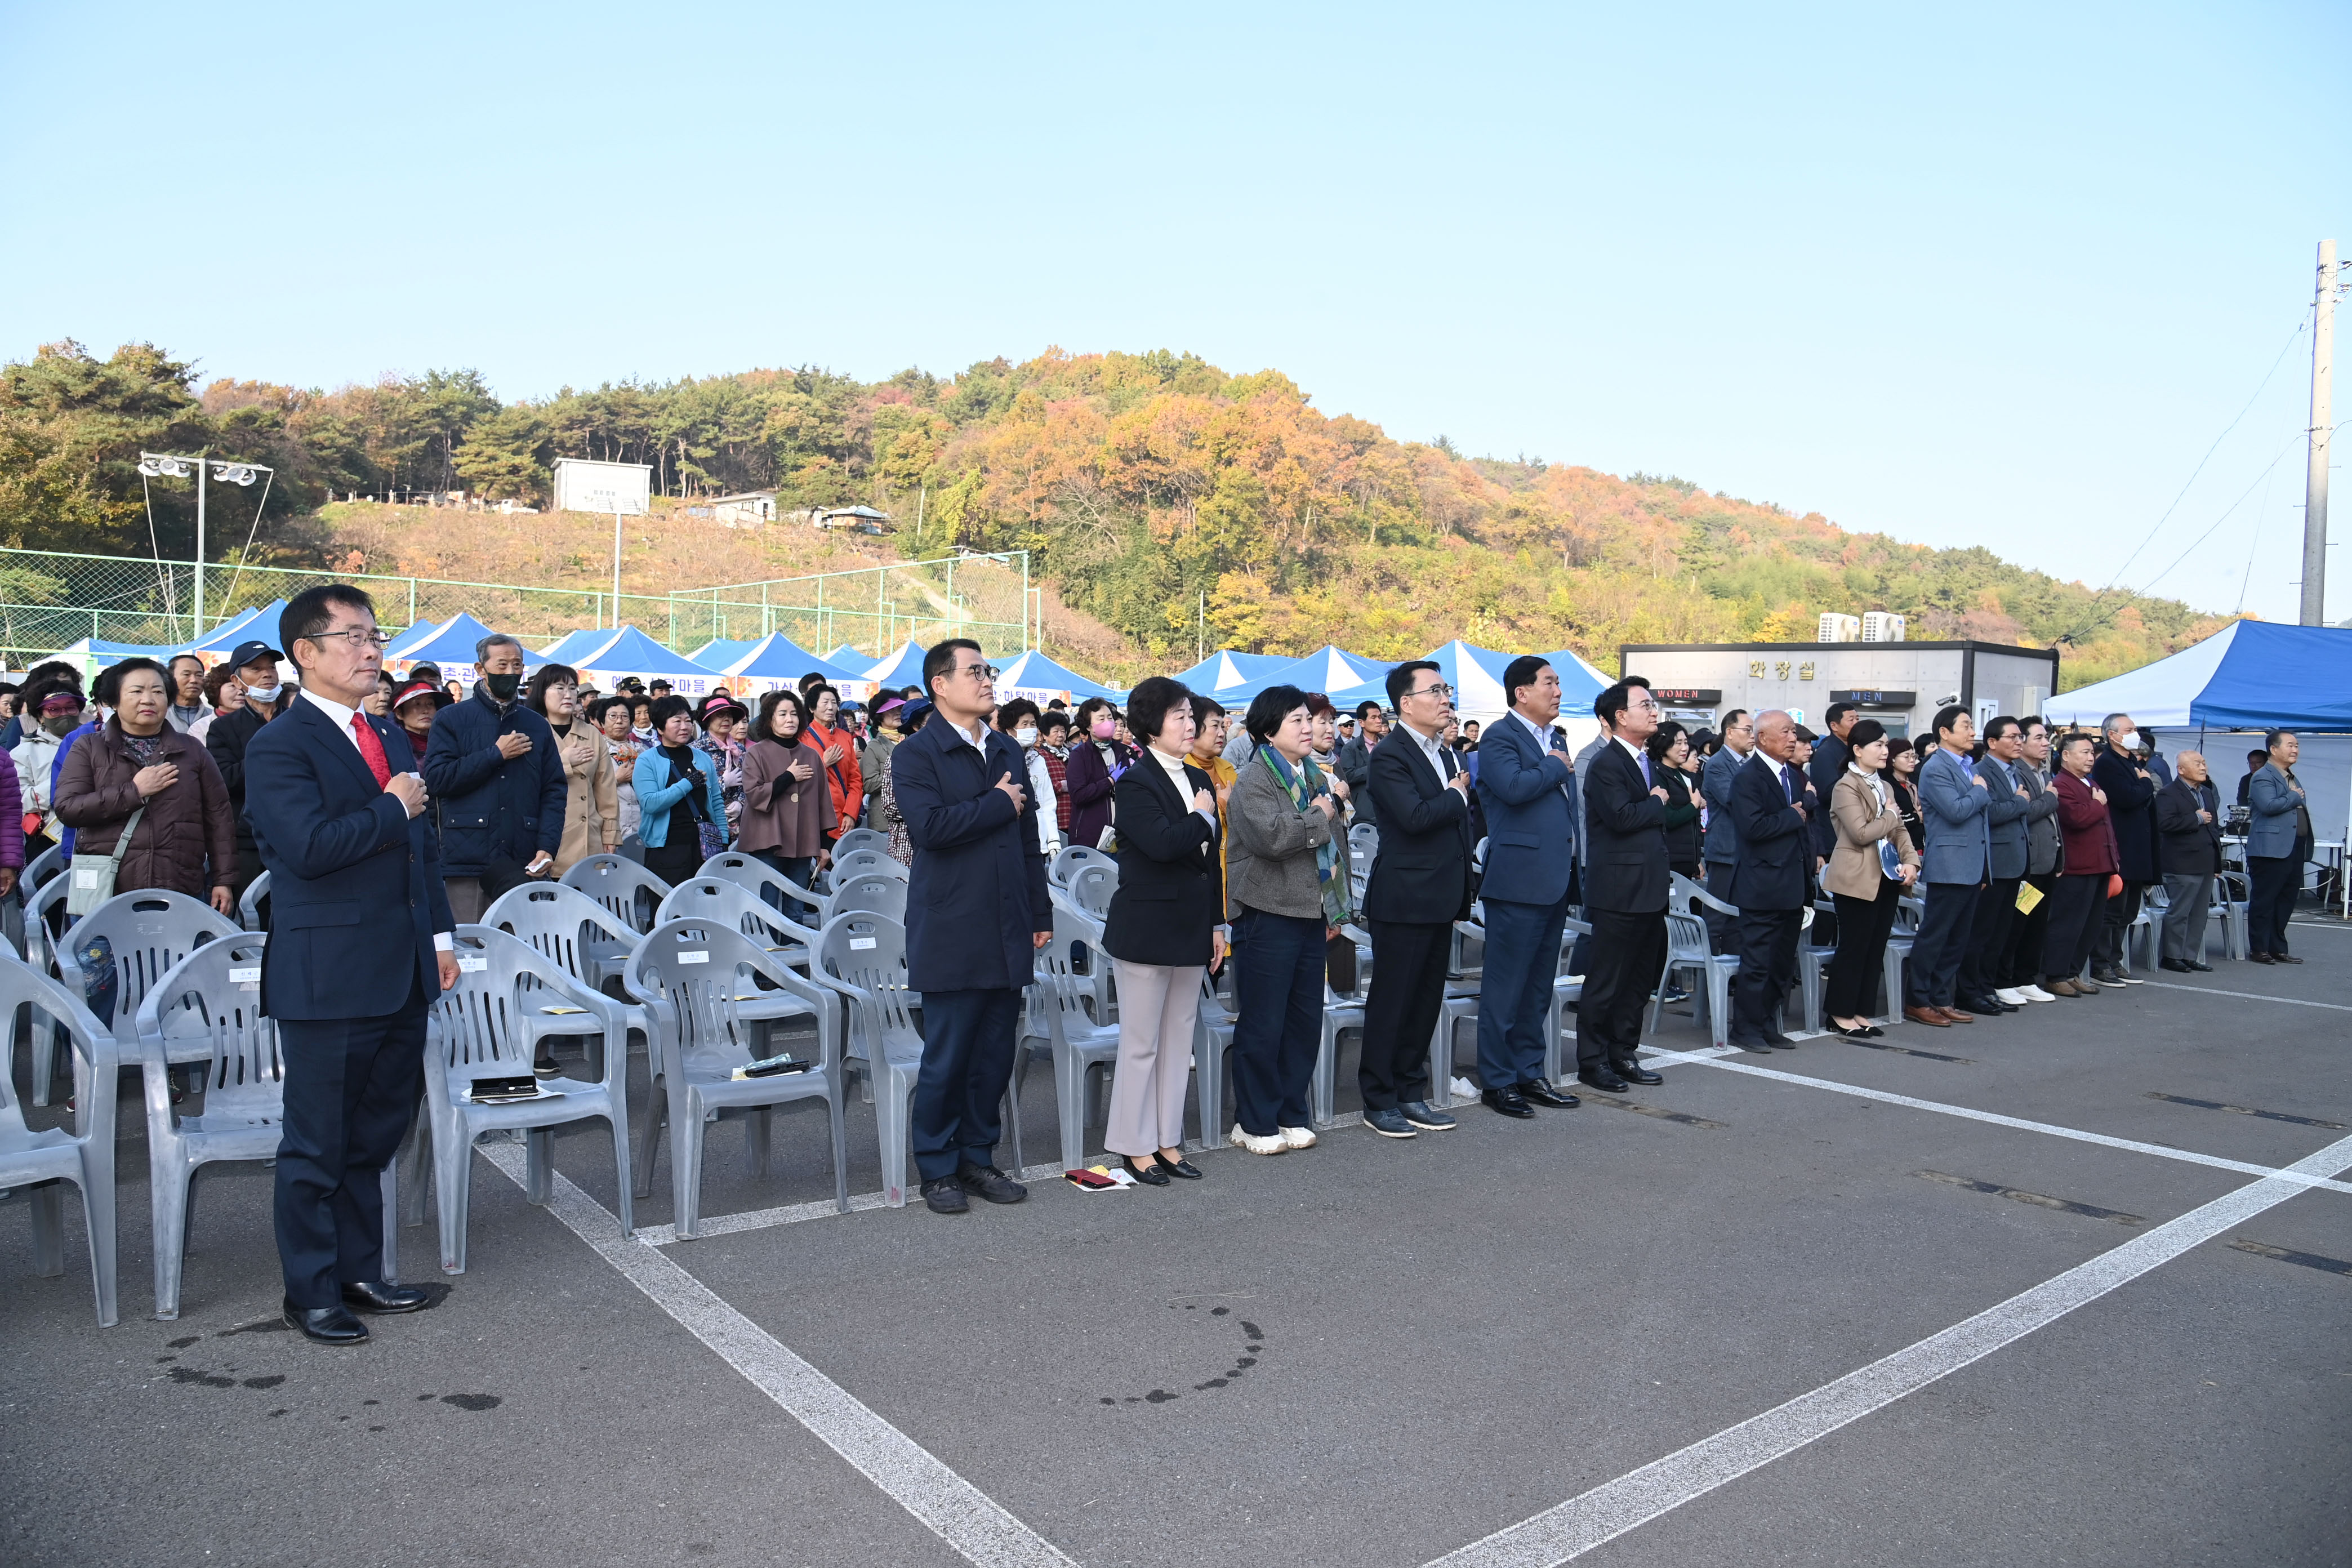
2314, 485
174, 466
616, 568
201, 470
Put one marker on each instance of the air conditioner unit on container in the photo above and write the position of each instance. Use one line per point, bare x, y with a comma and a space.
1880, 626
1839, 628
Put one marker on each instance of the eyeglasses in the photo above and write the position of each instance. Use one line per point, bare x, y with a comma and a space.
1445, 691
358, 637
978, 671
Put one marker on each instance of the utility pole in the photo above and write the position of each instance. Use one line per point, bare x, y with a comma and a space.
2314, 484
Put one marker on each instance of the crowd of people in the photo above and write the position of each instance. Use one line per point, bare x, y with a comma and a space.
2028, 851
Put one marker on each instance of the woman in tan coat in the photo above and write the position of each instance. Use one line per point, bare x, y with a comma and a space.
1873, 862
592, 802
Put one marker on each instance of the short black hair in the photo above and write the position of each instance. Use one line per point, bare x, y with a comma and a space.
2076, 738
54, 669
814, 678
107, 688
1949, 715
2270, 738
1204, 708
603, 705
1010, 715
1734, 716
1996, 728
1086, 711
939, 660
1053, 719
668, 707
2254, 758
1611, 705
1399, 682
534, 691
765, 728
2030, 721
1269, 707
1663, 740
191, 658
811, 693
1153, 700
1864, 732
312, 611
1367, 707
1837, 711
1521, 673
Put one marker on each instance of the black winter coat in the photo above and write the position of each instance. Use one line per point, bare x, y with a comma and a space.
1169, 895
491, 807
2131, 803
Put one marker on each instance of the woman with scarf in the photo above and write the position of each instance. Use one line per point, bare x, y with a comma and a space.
414, 707
722, 717
902, 847
677, 798
837, 743
611, 715
1095, 764
786, 807
1286, 896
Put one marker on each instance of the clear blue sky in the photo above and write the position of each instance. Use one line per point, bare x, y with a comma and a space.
1995, 278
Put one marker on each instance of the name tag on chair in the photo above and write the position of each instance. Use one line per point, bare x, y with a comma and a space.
250, 979
472, 965
694, 958
860, 943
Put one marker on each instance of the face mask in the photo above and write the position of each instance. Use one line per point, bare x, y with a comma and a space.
61, 724
1026, 735
264, 695
503, 686
1103, 729
2128, 740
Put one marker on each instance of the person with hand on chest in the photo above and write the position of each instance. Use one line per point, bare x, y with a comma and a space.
977, 910
498, 779
2188, 815
226, 737
1954, 859
1772, 805
360, 947
1625, 891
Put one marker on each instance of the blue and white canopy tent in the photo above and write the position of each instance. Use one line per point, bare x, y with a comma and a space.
719, 652
847, 656
1040, 680
2221, 694
775, 661
1475, 673
414, 636
567, 648
258, 625
1326, 670
451, 647
628, 651
1226, 672
902, 669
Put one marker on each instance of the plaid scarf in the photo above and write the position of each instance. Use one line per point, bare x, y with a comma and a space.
1302, 784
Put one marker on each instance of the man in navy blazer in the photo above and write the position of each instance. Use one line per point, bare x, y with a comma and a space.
1953, 865
1626, 883
1526, 785
977, 910
359, 948
1720, 851
1773, 808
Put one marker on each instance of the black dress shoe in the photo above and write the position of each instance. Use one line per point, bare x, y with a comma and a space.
1149, 1173
2197, 968
988, 1182
327, 1325
1507, 1103
2285, 958
1602, 1079
376, 1296
1635, 1073
2257, 958
1543, 1093
944, 1195
2177, 965
1842, 1032
1982, 1006
1181, 1168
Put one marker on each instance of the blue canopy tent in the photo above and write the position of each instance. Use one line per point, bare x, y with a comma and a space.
94, 654
566, 648
775, 661
259, 625
629, 651
1226, 671
1580, 681
1475, 673
1040, 680
451, 647
398, 648
1326, 670
846, 656
904, 667
717, 652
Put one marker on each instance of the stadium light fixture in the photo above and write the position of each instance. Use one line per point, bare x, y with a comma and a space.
178, 466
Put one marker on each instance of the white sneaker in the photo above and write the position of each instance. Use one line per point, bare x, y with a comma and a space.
1256, 1145
1297, 1137
1464, 1089
2035, 994
2015, 999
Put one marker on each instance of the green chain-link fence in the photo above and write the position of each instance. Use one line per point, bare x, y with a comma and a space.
50, 601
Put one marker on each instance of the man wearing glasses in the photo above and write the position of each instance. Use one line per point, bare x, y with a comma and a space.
360, 946
1527, 782
977, 910
1420, 884
1624, 893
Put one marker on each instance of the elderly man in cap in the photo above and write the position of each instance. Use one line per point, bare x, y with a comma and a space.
266, 696
497, 783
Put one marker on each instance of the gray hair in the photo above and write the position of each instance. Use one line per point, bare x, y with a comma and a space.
2107, 725
482, 649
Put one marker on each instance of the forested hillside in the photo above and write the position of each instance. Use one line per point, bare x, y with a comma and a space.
1152, 490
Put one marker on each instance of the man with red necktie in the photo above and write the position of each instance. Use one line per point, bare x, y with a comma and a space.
360, 945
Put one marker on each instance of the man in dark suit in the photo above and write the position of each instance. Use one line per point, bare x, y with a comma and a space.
977, 910
1773, 808
2131, 810
359, 948
2188, 815
1526, 783
1720, 850
1419, 886
1353, 761
1624, 892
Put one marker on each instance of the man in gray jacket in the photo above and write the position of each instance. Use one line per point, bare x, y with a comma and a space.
1722, 845
2011, 805
2041, 867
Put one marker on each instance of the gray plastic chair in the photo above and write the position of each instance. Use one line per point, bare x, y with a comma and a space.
38, 1161
1089, 961
858, 838
150, 931
248, 907
1462, 982
1078, 1044
1341, 1012
1059, 869
622, 886
740, 911
804, 908
478, 1031
690, 976
579, 936
1212, 1042
1567, 991
217, 987
869, 894
863, 957
867, 862
45, 916
1090, 888
39, 872
2233, 897
1688, 948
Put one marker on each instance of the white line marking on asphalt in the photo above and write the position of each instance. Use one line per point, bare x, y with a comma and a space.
2247, 995
959, 1512
1609, 1510
2191, 1157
